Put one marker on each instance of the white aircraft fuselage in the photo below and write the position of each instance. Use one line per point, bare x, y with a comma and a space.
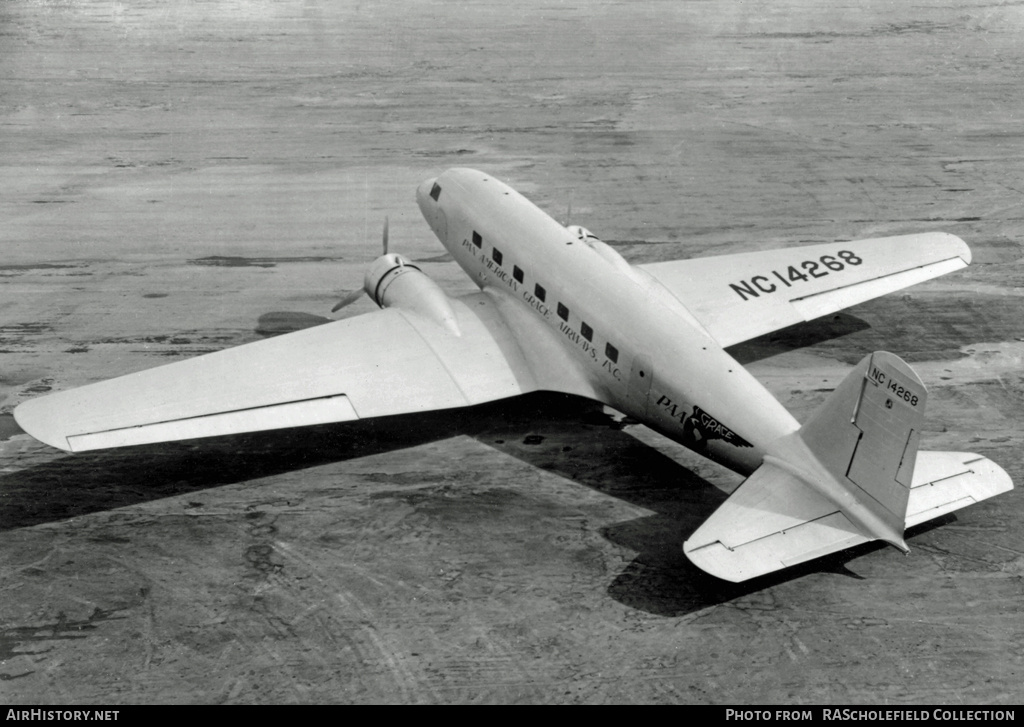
646, 355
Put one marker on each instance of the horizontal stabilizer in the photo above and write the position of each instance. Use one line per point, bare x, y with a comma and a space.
947, 481
773, 521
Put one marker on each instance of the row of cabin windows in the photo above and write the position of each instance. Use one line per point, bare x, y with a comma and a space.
538, 290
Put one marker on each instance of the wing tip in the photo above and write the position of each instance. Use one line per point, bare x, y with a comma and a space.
961, 248
40, 421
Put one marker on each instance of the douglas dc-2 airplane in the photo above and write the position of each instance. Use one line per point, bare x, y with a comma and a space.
559, 310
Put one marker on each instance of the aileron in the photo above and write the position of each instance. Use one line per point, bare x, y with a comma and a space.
325, 410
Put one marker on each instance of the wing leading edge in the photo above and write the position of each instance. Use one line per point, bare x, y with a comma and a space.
378, 364
742, 296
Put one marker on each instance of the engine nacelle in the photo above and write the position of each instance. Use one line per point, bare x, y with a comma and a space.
394, 282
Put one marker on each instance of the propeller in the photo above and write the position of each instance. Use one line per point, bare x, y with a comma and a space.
354, 295
349, 299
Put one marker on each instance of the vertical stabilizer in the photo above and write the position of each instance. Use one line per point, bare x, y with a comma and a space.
866, 434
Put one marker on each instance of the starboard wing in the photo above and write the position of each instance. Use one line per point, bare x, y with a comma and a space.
378, 364
742, 296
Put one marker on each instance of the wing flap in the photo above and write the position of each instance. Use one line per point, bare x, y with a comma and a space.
742, 296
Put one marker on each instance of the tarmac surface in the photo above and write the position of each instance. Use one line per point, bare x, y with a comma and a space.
179, 178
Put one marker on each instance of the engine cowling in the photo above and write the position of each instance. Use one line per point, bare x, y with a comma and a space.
394, 282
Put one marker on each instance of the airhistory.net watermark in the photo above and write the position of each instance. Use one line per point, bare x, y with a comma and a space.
62, 715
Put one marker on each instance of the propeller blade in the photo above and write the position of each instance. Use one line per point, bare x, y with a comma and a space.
349, 299
355, 295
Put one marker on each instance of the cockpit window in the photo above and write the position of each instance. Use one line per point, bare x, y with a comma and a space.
435, 191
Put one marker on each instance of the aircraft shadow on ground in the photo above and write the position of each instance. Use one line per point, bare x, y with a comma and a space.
568, 436
662, 581
571, 437
70, 486
80, 484
798, 336
576, 439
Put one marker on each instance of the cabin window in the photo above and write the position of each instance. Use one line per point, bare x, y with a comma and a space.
563, 312
496, 256
539, 291
477, 240
611, 353
517, 273
435, 191
587, 331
